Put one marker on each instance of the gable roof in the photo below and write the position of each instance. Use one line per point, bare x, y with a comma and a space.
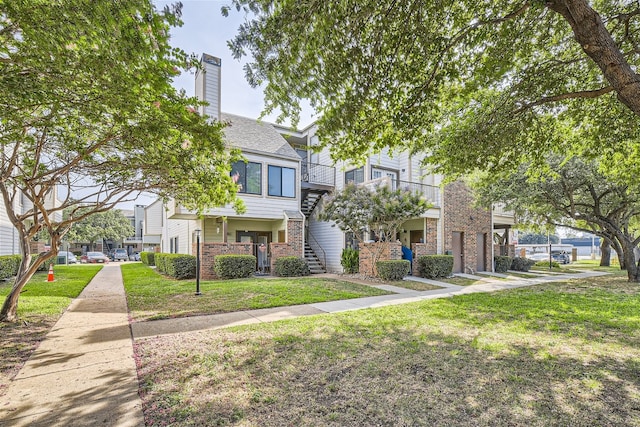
256, 136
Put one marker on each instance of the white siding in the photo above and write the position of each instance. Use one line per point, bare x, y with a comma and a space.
331, 239
262, 205
154, 218
183, 230
208, 82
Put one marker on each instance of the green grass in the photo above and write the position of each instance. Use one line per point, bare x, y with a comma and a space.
416, 286
554, 354
40, 305
42, 298
153, 296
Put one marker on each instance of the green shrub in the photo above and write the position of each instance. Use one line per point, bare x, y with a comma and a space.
554, 264
350, 260
289, 266
180, 266
522, 264
234, 266
435, 266
9, 265
394, 269
503, 263
148, 258
159, 261
44, 266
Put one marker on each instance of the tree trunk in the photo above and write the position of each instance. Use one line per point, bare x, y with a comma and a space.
596, 41
9, 312
630, 261
605, 253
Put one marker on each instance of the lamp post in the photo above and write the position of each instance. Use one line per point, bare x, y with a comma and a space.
197, 231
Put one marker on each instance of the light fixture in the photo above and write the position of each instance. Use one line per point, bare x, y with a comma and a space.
197, 231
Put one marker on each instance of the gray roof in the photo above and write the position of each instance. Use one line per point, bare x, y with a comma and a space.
256, 136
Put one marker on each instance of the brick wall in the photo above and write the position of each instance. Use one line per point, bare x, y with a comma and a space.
295, 236
279, 250
459, 215
209, 251
432, 236
368, 251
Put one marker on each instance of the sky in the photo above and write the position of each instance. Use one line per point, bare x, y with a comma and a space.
205, 30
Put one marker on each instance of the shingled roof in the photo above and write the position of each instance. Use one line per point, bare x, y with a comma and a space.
256, 136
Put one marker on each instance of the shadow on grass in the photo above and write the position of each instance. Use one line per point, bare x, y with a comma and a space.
465, 361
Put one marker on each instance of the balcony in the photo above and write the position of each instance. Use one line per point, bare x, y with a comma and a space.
429, 192
316, 174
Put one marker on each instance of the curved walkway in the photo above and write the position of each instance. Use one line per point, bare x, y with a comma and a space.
83, 373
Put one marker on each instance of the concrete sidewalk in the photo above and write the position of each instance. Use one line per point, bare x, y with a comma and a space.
83, 373
401, 296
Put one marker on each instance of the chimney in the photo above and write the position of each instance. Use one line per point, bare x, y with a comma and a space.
208, 85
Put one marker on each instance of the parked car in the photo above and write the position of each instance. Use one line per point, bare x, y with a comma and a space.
97, 257
539, 257
561, 257
134, 256
120, 254
63, 256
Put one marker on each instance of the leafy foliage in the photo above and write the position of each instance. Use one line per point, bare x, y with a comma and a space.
534, 238
110, 225
180, 266
9, 265
291, 266
88, 107
471, 84
394, 269
358, 208
435, 266
148, 258
522, 264
502, 263
234, 266
576, 194
350, 260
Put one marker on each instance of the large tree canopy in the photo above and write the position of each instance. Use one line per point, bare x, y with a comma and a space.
472, 84
108, 225
577, 195
89, 114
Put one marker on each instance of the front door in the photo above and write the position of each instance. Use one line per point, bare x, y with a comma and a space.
481, 248
457, 250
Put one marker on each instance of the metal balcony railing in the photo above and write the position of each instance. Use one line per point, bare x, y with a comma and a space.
314, 173
429, 192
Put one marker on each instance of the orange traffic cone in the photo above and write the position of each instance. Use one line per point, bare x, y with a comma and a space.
50, 275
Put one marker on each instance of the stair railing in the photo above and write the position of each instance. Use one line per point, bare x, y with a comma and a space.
324, 255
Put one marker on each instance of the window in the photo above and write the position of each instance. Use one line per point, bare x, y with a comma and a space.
382, 173
248, 176
173, 243
355, 176
282, 181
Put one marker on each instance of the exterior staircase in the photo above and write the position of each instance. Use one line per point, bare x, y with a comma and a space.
309, 202
314, 263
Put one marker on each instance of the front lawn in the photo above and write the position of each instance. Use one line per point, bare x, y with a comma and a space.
550, 355
41, 304
153, 296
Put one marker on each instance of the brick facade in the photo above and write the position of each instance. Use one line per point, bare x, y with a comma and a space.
209, 251
460, 215
368, 251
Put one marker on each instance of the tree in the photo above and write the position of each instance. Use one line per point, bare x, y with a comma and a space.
537, 238
108, 225
90, 119
577, 195
472, 84
360, 209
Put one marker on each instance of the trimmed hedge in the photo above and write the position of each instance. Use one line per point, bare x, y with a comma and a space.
9, 265
180, 266
289, 266
394, 269
234, 266
350, 260
522, 264
503, 263
148, 258
435, 266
